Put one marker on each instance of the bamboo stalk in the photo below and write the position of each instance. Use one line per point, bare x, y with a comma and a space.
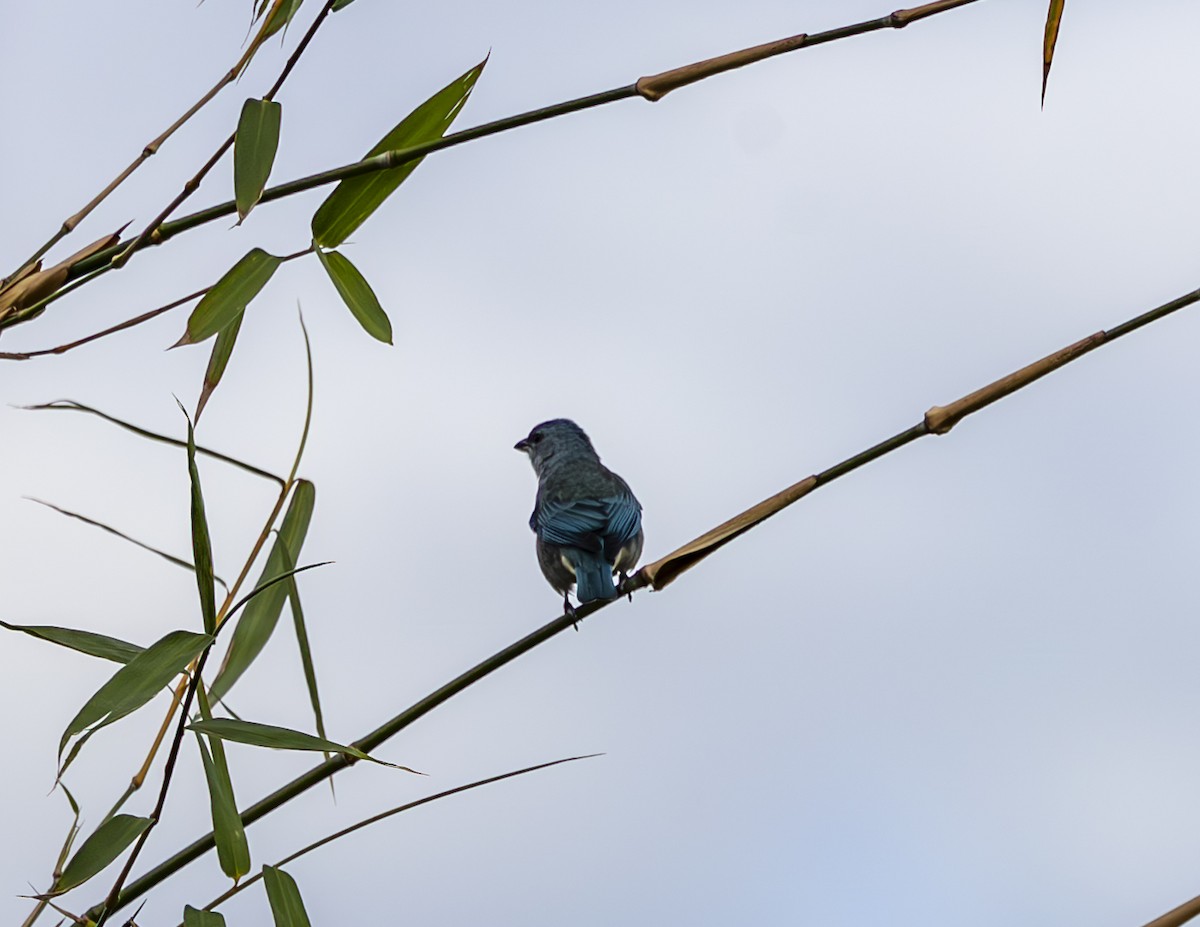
657, 575
649, 88
1177, 916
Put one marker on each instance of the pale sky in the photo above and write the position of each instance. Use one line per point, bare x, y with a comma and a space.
957, 685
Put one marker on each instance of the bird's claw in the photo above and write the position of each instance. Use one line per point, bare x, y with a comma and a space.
569, 611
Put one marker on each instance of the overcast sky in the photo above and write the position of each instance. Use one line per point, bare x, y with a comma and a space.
957, 685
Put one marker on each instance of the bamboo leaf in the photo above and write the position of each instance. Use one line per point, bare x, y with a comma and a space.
258, 621
101, 848
340, 5
354, 199
201, 543
170, 558
229, 296
306, 659
194, 917
233, 851
217, 361
287, 907
357, 294
1053, 20
133, 685
280, 17
72, 831
94, 645
279, 738
70, 405
32, 286
254, 148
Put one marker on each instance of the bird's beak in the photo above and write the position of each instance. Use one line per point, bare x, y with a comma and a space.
522, 445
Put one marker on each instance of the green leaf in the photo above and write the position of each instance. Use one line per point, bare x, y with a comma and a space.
357, 294
279, 738
70, 405
229, 296
282, 17
194, 917
306, 659
218, 360
254, 149
233, 852
170, 558
340, 5
94, 645
354, 199
134, 684
201, 543
101, 848
72, 831
258, 621
287, 907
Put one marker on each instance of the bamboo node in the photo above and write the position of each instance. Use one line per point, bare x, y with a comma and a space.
656, 86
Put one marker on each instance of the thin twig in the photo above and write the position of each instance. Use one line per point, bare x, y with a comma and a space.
122, 326
170, 558
649, 88
937, 420
73, 832
128, 323
228, 607
193, 184
384, 815
110, 903
149, 150
70, 405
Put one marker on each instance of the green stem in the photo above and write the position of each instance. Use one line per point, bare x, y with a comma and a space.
323, 771
381, 162
421, 708
391, 159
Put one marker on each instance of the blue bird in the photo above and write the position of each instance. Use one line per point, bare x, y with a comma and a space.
587, 521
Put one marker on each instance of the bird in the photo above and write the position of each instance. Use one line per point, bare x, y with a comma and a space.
587, 520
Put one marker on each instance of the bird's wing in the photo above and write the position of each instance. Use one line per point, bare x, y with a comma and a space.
588, 523
624, 518
572, 523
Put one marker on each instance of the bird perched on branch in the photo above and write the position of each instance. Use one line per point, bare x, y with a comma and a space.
587, 521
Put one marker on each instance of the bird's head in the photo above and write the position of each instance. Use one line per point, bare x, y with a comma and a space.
557, 438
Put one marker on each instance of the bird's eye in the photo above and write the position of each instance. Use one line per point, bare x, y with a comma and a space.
536, 437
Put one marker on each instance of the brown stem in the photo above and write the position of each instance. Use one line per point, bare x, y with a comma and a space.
128, 323
148, 233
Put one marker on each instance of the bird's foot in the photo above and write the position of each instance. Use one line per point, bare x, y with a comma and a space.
569, 611
624, 577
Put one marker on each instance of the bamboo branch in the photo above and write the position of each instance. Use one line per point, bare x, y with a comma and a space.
192, 185
152, 147
108, 907
938, 420
1177, 916
383, 815
128, 323
228, 606
650, 88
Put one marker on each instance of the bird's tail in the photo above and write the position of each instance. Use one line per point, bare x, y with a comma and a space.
593, 577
